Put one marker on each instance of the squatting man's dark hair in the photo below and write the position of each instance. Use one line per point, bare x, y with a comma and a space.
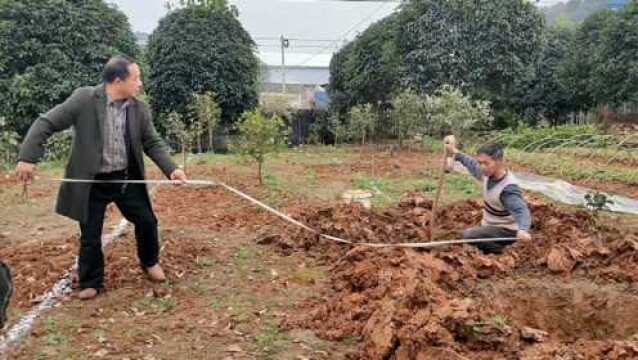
495, 151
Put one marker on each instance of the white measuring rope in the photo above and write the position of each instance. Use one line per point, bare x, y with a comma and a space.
149, 182
374, 245
293, 221
63, 287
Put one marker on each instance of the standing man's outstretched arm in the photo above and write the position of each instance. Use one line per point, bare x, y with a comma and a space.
57, 119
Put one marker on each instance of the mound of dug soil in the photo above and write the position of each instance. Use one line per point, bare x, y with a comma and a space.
455, 302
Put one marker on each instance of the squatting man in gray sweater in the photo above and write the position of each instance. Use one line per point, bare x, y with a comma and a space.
505, 211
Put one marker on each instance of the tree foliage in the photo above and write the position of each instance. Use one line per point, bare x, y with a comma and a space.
448, 111
50, 47
58, 147
480, 46
602, 66
341, 98
202, 48
573, 10
548, 92
407, 114
259, 136
617, 78
368, 71
8, 145
185, 134
494, 50
207, 113
586, 66
363, 121
338, 129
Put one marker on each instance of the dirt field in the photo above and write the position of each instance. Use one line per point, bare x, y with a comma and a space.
246, 285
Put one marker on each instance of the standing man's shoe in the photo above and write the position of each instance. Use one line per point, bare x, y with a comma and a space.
87, 294
155, 273
6, 290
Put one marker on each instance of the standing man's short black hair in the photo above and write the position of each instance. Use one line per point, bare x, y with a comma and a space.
495, 151
117, 68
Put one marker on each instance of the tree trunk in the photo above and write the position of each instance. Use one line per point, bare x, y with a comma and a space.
184, 153
261, 181
211, 146
363, 141
398, 130
372, 167
184, 156
199, 143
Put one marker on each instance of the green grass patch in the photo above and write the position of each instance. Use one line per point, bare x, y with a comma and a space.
53, 335
241, 311
373, 184
155, 306
272, 341
246, 260
272, 181
526, 137
307, 276
314, 155
244, 255
350, 340
457, 187
216, 304
461, 186
500, 321
205, 262
311, 176
573, 170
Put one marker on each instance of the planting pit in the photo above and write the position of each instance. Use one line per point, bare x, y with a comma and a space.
567, 311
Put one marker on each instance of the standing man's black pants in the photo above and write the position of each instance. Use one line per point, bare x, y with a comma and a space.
133, 202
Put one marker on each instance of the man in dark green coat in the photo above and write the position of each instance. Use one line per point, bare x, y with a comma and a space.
112, 130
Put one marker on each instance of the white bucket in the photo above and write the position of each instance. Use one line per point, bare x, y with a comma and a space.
362, 197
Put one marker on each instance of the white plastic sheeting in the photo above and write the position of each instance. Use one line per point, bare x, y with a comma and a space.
564, 192
567, 193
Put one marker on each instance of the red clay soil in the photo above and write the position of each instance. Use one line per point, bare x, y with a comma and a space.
192, 208
438, 304
37, 266
7, 179
547, 299
380, 164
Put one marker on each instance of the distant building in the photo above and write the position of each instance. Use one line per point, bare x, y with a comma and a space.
141, 39
616, 5
314, 30
302, 72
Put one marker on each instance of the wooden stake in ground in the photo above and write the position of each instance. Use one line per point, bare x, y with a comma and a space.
439, 190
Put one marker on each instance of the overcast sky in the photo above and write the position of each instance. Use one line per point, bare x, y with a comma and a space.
145, 14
